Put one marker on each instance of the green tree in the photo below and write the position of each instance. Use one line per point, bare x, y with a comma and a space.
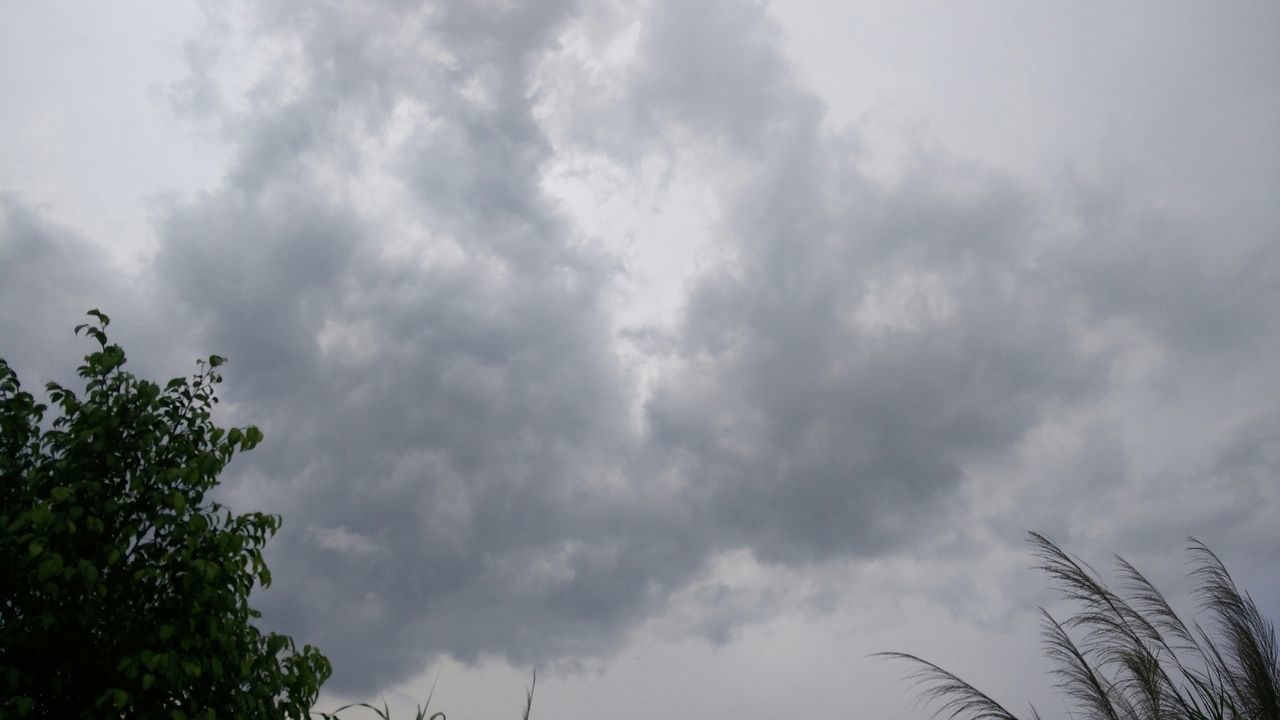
124, 589
1133, 657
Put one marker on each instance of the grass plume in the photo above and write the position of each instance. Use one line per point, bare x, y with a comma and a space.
1128, 656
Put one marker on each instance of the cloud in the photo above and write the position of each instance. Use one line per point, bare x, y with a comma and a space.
49, 276
447, 418
865, 342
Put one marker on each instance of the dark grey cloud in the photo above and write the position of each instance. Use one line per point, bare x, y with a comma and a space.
448, 435
717, 69
865, 342
871, 342
49, 276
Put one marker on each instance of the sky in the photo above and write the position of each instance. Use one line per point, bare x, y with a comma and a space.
688, 352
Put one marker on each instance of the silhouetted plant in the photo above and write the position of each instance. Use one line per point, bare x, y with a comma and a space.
1134, 658
385, 712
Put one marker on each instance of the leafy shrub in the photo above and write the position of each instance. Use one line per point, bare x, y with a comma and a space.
125, 589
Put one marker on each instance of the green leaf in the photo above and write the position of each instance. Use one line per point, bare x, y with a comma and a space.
102, 318
50, 567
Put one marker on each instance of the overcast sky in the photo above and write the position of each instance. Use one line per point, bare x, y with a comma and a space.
688, 351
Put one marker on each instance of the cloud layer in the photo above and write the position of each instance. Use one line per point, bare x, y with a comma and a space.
476, 452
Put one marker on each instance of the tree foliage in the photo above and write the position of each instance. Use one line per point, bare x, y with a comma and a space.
1128, 656
125, 588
